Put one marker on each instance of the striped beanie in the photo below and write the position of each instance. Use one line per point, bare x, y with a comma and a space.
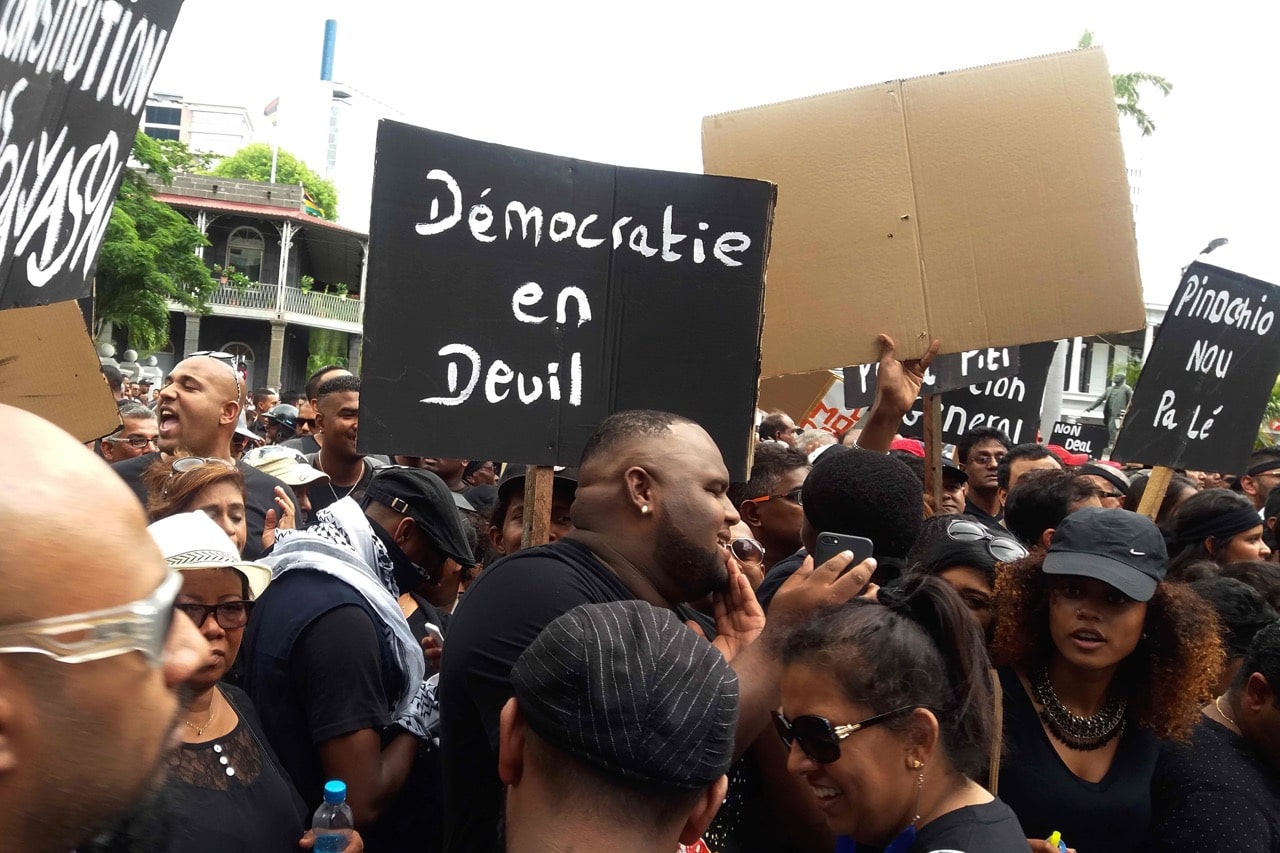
631, 690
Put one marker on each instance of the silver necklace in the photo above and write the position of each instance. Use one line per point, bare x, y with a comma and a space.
334, 491
1075, 731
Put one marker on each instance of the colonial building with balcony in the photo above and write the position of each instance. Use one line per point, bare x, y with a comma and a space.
306, 277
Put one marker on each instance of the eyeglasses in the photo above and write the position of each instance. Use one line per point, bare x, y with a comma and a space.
228, 614
231, 362
793, 496
747, 550
986, 458
819, 739
1103, 493
1002, 548
184, 464
141, 626
137, 442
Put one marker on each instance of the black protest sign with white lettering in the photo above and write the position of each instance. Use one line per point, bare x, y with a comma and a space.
74, 76
1206, 381
1010, 403
947, 373
1080, 438
516, 299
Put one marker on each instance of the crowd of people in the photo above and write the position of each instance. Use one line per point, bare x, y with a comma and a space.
244, 606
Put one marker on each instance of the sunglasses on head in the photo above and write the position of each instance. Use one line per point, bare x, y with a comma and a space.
747, 550
184, 464
1003, 548
819, 739
230, 359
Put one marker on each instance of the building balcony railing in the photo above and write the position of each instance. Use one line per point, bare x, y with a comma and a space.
305, 307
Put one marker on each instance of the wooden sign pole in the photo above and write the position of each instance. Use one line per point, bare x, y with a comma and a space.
538, 485
933, 448
1153, 494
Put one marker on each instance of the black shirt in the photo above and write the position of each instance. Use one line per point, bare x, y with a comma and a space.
259, 496
1217, 794
502, 614
989, 828
888, 570
304, 444
253, 808
995, 522
325, 494
1093, 817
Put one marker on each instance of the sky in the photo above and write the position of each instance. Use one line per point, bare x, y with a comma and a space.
629, 83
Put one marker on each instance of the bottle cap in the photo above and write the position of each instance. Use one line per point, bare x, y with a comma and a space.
335, 792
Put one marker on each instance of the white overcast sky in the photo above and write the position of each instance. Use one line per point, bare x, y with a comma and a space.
629, 83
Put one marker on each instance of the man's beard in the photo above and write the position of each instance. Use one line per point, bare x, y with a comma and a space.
698, 570
147, 828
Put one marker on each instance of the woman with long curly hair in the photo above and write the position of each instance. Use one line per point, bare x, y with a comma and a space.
1099, 659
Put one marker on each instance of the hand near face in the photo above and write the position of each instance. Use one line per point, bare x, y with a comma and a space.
739, 616
432, 650
812, 588
285, 514
898, 383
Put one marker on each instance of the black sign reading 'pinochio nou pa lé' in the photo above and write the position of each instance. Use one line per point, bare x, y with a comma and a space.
516, 299
74, 78
1206, 382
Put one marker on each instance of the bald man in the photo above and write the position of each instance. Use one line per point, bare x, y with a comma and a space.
652, 523
198, 408
86, 725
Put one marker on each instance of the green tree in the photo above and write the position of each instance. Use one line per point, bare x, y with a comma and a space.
1127, 94
253, 163
148, 255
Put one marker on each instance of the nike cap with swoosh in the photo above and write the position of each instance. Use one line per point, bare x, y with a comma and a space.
1115, 546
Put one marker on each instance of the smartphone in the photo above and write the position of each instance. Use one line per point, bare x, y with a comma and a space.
830, 544
434, 631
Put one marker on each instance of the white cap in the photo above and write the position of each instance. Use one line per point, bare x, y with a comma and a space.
287, 465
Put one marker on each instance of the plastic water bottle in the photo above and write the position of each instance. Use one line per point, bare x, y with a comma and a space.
333, 822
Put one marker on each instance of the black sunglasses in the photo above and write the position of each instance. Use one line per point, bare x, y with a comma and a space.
228, 614
819, 739
747, 550
1003, 548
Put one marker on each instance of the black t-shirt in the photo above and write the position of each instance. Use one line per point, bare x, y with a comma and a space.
259, 495
995, 522
304, 444
777, 576
1218, 794
322, 495
989, 828
503, 612
1093, 817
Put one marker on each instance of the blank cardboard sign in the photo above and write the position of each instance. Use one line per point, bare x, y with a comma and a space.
987, 207
48, 367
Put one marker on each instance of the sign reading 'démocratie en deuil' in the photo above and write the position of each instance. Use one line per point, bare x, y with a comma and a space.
74, 77
1205, 384
516, 299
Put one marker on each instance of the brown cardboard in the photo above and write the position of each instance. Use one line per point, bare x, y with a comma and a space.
48, 367
796, 395
984, 207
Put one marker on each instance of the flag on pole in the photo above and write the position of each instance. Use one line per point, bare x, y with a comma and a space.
310, 207
271, 110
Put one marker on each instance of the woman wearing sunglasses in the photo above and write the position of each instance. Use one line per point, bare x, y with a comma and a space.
1098, 659
215, 487
888, 715
965, 556
225, 785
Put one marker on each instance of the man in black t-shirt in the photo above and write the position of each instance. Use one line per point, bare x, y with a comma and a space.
338, 416
197, 413
979, 452
337, 676
652, 522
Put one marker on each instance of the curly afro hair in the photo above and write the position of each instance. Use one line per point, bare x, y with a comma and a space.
1166, 680
860, 493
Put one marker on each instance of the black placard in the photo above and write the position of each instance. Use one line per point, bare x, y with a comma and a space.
1010, 403
516, 299
947, 373
74, 78
1206, 381
1080, 438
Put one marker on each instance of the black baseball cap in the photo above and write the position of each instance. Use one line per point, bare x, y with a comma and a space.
1115, 546
952, 471
513, 478
421, 495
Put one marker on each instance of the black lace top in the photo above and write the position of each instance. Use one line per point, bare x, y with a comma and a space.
231, 794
